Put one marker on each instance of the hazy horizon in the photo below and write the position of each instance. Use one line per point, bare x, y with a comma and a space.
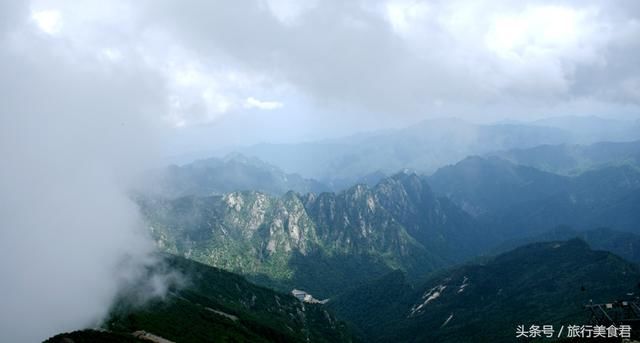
190, 153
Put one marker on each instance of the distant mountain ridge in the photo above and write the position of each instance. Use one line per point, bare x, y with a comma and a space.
518, 201
422, 147
428, 145
569, 159
591, 129
485, 185
336, 164
623, 244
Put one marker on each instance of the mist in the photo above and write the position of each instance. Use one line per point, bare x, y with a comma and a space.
73, 132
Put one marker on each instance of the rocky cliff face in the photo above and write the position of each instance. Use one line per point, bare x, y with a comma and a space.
361, 232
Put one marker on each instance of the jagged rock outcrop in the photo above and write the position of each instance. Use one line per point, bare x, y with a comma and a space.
360, 233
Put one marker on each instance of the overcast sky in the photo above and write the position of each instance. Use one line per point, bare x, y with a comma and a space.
92, 92
281, 70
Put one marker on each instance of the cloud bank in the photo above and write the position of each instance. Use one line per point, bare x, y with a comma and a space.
73, 130
397, 56
387, 58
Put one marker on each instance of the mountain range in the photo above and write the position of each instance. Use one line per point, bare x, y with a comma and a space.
324, 242
338, 164
321, 242
573, 159
467, 252
428, 145
422, 147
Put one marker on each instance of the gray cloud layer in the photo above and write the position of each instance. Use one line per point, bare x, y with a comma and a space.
400, 56
363, 64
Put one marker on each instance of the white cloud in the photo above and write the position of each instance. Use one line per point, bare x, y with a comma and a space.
199, 95
402, 55
252, 102
289, 11
112, 55
538, 30
404, 15
390, 57
49, 21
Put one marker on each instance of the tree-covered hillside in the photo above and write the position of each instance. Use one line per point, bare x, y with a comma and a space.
212, 305
541, 283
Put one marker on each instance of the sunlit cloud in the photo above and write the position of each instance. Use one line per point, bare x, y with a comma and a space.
288, 12
252, 102
48, 21
404, 15
112, 55
537, 30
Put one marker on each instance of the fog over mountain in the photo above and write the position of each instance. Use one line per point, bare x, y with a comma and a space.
70, 139
317, 96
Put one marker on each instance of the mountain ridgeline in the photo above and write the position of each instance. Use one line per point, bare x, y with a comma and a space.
324, 242
573, 159
319, 242
623, 244
424, 147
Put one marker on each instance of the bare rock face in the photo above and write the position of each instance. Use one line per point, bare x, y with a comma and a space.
398, 224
